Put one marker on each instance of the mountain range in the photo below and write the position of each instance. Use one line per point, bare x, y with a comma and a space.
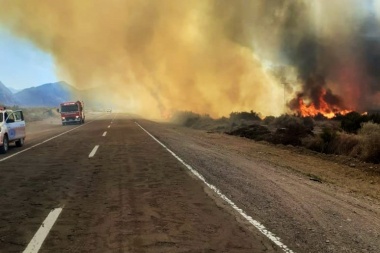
49, 95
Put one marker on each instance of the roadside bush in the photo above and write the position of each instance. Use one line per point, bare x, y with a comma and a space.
314, 143
37, 113
370, 142
345, 144
375, 118
236, 116
254, 132
308, 122
328, 135
292, 129
352, 121
269, 120
185, 118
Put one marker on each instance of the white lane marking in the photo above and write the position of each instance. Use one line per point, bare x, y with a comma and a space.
93, 151
104, 134
40, 236
255, 223
22, 151
109, 126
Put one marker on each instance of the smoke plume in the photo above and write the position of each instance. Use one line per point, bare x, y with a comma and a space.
209, 56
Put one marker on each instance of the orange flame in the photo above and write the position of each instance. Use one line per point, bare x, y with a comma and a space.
329, 111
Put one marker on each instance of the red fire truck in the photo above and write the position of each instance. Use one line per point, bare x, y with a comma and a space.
72, 112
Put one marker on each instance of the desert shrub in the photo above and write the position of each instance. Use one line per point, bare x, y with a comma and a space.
308, 122
254, 131
291, 130
375, 118
352, 121
344, 144
185, 118
328, 136
293, 125
370, 142
236, 116
37, 113
314, 143
269, 120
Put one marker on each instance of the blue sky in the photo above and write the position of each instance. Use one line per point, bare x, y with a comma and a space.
22, 65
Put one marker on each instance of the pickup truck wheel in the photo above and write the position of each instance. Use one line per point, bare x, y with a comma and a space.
4, 148
20, 142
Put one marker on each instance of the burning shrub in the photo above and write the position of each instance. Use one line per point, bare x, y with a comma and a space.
370, 142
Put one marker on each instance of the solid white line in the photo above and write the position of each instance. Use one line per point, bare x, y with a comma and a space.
40, 236
255, 223
104, 134
93, 151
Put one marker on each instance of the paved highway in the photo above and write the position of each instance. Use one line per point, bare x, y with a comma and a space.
120, 184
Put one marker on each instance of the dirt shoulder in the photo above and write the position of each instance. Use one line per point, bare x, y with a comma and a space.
337, 211
348, 173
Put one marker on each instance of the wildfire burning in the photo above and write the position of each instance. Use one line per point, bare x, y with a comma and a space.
211, 57
325, 109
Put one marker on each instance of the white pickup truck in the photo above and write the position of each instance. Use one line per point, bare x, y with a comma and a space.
12, 129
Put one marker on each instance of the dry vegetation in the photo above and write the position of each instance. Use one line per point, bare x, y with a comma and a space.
37, 113
352, 135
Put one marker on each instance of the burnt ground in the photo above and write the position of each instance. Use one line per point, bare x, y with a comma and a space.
134, 196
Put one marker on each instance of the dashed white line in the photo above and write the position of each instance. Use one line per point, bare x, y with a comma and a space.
253, 222
109, 126
40, 236
104, 134
93, 151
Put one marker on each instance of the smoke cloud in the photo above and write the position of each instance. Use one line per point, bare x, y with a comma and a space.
209, 56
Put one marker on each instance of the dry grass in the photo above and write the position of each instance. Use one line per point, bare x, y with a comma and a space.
369, 142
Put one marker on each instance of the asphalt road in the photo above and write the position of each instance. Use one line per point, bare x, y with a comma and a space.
114, 187
131, 195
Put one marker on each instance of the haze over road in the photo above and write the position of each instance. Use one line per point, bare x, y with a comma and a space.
121, 191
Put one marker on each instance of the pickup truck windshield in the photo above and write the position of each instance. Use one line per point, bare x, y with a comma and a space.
69, 108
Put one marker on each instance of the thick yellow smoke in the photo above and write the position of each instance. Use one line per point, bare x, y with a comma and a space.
151, 56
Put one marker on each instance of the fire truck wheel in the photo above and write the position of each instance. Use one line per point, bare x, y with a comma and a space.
4, 148
20, 142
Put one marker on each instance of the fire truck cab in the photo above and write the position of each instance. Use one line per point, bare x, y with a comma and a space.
72, 112
12, 129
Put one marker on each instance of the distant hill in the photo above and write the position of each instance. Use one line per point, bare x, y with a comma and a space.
13, 90
50, 94
6, 96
